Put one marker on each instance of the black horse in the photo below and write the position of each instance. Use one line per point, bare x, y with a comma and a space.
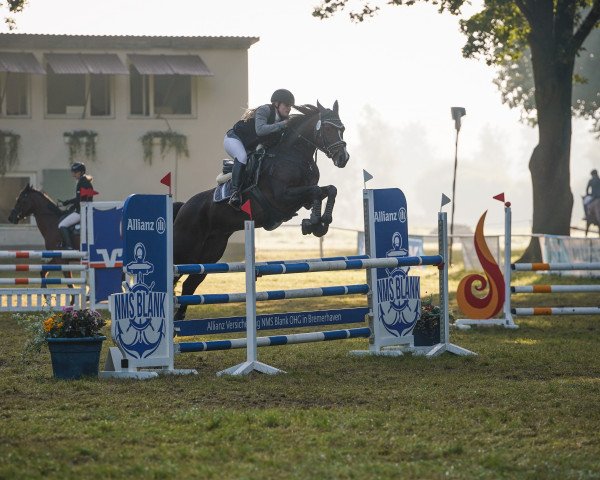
288, 182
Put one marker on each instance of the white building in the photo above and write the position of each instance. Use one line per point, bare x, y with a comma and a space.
107, 92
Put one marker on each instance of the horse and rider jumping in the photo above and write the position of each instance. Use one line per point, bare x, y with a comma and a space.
288, 182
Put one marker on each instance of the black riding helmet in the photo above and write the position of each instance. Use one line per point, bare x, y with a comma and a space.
78, 167
284, 96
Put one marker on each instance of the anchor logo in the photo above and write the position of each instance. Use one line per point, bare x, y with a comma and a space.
399, 302
140, 324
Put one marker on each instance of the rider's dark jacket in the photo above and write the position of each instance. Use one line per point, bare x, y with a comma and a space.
84, 182
251, 133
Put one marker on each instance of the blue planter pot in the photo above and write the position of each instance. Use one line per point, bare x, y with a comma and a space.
73, 358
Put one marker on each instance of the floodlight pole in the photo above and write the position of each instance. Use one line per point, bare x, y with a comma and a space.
457, 113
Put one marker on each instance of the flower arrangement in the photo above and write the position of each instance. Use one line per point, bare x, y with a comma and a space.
69, 323
430, 318
427, 327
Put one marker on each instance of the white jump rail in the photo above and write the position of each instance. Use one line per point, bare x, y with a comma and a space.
51, 297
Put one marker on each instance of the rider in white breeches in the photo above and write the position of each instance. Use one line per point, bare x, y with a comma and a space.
83, 193
263, 126
71, 219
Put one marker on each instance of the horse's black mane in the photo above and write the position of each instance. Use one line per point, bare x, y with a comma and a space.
305, 111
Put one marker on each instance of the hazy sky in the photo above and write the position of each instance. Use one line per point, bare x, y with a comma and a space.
395, 76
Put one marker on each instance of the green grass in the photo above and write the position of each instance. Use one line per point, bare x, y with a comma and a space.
526, 407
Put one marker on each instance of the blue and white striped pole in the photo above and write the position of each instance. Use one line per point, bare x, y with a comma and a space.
234, 267
274, 340
219, 298
391, 262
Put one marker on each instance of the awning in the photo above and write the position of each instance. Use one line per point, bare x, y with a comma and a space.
170, 65
20, 63
74, 63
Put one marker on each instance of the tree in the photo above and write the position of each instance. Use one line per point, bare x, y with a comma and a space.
12, 6
549, 35
515, 81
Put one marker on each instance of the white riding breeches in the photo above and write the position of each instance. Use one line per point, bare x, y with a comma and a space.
69, 220
235, 149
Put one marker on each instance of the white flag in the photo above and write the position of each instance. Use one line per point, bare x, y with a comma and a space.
366, 176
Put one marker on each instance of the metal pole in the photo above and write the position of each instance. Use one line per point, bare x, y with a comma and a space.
453, 195
508, 318
251, 364
457, 113
251, 354
443, 278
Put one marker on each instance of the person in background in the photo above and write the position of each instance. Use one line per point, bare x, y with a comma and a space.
592, 191
263, 125
83, 193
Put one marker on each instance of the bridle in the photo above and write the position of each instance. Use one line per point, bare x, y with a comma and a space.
17, 211
329, 150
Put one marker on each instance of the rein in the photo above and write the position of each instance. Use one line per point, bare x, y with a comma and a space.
327, 149
44, 207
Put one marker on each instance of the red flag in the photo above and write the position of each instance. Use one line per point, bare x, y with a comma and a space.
247, 207
87, 192
166, 180
499, 197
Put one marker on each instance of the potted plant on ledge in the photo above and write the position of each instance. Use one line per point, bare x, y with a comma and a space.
73, 338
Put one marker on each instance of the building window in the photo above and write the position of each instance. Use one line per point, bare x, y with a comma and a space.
11, 185
80, 95
152, 95
139, 87
66, 94
173, 94
58, 183
99, 95
14, 94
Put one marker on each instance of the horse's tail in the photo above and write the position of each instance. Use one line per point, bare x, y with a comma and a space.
176, 207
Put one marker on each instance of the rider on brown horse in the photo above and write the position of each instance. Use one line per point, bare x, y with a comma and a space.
263, 125
592, 191
83, 193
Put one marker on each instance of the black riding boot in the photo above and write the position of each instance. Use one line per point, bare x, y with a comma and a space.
237, 176
66, 237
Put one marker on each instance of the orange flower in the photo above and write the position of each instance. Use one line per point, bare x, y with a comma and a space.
48, 324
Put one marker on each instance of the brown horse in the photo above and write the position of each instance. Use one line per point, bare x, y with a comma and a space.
288, 182
593, 215
47, 215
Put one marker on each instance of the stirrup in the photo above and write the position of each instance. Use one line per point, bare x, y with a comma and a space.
236, 200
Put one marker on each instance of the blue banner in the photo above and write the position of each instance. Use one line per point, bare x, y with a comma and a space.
271, 321
142, 315
396, 299
106, 251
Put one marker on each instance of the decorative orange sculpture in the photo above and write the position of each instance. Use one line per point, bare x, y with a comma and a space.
491, 303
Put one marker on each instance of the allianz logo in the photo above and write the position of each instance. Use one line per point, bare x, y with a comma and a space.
383, 216
135, 224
